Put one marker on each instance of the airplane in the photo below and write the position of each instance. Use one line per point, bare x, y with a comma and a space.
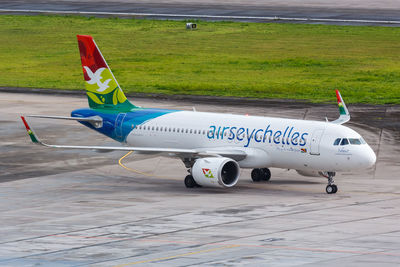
213, 146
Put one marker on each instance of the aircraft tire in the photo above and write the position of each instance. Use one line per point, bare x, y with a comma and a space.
256, 175
190, 182
335, 188
266, 174
331, 189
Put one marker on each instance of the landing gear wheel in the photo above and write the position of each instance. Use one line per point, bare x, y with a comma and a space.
331, 189
267, 174
256, 175
334, 188
190, 182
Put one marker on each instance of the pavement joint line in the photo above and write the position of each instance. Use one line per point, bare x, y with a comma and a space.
281, 247
226, 241
272, 18
178, 256
207, 226
273, 216
91, 228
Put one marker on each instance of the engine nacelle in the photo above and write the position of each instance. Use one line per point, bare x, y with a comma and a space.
216, 172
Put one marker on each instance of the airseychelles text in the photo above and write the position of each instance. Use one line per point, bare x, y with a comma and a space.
289, 136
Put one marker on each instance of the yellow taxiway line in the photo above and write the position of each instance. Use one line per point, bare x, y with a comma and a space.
137, 171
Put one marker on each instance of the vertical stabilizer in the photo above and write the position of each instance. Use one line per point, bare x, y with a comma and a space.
102, 89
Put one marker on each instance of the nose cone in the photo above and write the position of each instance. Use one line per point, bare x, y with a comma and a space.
369, 157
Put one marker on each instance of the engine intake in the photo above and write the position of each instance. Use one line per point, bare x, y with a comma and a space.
216, 172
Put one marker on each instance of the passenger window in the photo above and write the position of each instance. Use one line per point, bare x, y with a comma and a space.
344, 142
337, 141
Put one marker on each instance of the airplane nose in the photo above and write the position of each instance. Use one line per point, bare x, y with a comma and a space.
369, 158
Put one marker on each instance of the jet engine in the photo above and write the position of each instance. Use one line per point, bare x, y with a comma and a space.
216, 172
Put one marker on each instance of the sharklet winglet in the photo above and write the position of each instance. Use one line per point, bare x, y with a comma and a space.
343, 111
31, 133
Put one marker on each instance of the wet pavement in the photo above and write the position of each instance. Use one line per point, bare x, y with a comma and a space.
72, 208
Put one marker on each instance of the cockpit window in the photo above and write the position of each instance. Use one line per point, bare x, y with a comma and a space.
344, 142
337, 141
355, 141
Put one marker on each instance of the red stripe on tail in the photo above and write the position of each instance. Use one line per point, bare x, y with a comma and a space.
90, 55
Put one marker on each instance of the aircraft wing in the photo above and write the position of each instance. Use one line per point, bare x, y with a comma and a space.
230, 153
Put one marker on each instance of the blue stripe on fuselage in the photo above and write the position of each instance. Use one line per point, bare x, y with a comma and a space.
119, 131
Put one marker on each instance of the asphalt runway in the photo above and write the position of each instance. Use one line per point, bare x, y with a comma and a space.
342, 12
79, 208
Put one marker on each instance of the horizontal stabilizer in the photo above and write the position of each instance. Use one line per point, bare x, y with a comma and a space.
96, 121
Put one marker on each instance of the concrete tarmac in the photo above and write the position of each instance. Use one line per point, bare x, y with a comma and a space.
73, 208
384, 10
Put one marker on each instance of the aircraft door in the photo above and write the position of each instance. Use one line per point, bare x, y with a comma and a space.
315, 140
118, 124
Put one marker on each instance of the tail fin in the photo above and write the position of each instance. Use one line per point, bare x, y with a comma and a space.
102, 89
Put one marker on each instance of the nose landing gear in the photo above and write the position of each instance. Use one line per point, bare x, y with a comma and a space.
331, 188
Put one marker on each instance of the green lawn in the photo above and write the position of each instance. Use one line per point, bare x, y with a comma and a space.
259, 60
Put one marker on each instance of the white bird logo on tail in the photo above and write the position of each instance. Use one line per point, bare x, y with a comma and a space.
96, 78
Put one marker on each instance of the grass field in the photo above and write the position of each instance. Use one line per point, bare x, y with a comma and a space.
295, 61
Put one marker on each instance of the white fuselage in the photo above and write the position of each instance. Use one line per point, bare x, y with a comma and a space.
268, 142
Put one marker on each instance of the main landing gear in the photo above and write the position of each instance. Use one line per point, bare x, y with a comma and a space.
190, 182
331, 188
263, 174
